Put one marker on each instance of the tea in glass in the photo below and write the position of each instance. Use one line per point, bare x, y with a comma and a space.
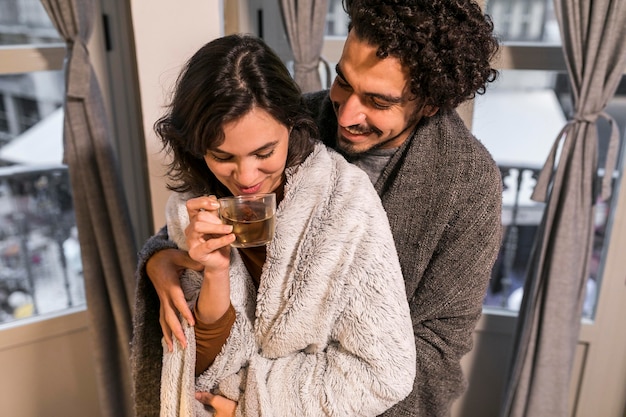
252, 218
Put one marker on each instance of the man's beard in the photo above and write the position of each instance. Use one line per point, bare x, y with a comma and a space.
348, 149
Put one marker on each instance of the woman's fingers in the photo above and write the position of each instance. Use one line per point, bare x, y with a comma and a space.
208, 240
195, 205
207, 244
204, 221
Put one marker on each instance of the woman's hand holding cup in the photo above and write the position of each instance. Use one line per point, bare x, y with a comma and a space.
209, 242
208, 239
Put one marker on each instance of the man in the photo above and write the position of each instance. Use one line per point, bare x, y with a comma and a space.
405, 66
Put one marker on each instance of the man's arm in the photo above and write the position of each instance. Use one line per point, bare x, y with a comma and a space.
456, 246
457, 276
162, 263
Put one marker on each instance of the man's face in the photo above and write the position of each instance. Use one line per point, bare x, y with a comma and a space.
372, 101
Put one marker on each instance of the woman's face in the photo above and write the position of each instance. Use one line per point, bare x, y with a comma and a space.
253, 156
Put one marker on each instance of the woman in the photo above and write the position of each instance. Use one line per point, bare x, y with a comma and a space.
316, 322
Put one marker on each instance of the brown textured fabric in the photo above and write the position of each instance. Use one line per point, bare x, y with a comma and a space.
211, 337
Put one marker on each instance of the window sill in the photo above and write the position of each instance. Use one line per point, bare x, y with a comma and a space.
33, 329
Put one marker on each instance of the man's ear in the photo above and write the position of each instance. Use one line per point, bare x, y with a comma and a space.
429, 111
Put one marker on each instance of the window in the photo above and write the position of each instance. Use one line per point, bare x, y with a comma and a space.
336, 20
520, 144
25, 22
40, 264
27, 113
536, 93
524, 20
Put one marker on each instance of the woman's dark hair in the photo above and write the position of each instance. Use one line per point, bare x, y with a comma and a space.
222, 82
447, 45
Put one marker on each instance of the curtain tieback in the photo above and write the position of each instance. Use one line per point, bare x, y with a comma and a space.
78, 76
586, 117
306, 66
540, 193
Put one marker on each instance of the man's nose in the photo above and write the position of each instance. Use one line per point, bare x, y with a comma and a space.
351, 112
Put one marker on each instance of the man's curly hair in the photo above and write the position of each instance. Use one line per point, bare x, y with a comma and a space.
447, 45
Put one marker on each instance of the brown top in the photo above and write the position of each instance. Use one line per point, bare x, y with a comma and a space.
211, 337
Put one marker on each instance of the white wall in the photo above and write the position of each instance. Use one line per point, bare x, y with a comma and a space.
47, 367
164, 41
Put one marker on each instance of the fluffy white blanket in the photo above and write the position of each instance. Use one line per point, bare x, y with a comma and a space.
328, 332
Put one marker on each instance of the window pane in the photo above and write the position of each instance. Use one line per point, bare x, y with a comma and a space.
514, 20
524, 20
27, 112
40, 263
518, 120
40, 267
25, 22
336, 19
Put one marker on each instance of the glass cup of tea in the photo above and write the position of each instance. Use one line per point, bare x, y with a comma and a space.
252, 218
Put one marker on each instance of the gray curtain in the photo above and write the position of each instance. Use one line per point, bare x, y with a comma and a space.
304, 22
594, 44
107, 247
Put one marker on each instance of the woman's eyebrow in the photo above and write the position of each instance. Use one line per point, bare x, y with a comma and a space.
265, 147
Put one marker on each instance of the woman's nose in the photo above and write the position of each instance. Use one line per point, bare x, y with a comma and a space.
246, 173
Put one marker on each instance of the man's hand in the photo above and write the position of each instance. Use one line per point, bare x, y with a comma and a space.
223, 406
164, 269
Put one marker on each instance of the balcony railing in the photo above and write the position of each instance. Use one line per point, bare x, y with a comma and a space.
40, 264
